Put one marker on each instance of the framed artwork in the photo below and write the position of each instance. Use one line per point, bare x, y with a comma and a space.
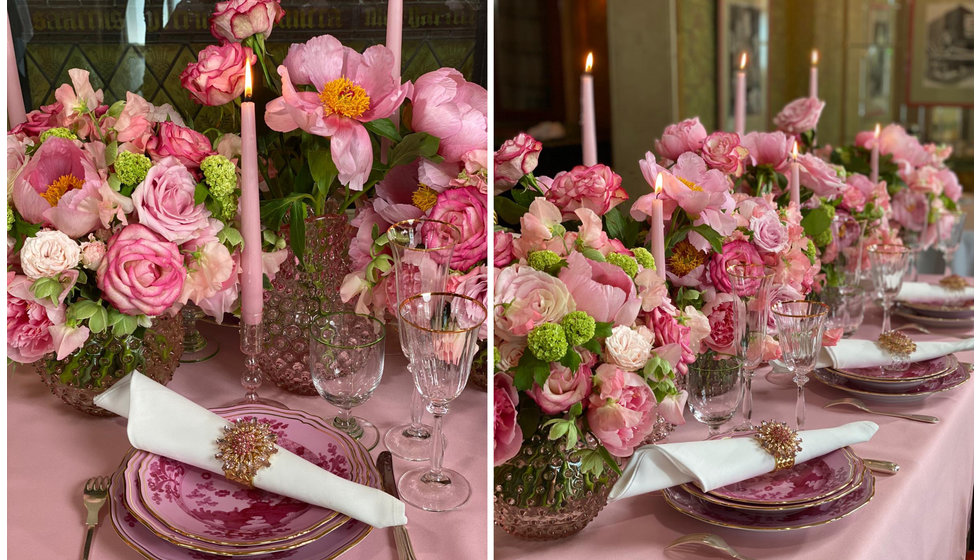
940, 64
743, 26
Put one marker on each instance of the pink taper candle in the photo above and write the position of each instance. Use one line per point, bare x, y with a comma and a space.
740, 95
15, 99
657, 229
590, 155
874, 154
794, 178
251, 229
393, 38
814, 58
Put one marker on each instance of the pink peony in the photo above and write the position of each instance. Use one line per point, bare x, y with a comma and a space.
448, 107
853, 197
503, 248
685, 136
601, 289
394, 194
507, 437
164, 202
910, 209
732, 252
351, 89
621, 410
768, 232
188, 146
951, 184
29, 321
799, 115
818, 176
720, 311
904, 148
141, 273
516, 158
563, 389
724, 152
466, 209
217, 76
597, 188
237, 20
524, 298
768, 148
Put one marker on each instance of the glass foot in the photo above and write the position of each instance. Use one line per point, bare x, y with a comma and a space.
421, 489
363, 431
201, 353
404, 445
257, 400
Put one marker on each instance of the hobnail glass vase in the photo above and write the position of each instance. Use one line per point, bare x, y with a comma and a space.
105, 359
542, 494
298, 294
478, 372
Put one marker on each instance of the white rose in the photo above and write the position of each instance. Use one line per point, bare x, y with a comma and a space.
510, 354
48, 254
629, 349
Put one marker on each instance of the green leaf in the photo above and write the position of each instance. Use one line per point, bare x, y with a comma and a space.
603, 330
116, 108
608, 458
558, 429
571, 359
200, 193
677, 236
623, 228
114, 182
274, 211
322, 170
711, 236
576, 410
412, 147
46, 288
84, 309
297, 229
124, 326
230, 236
815, 222
110, 152
508, 211
593, 346
384, 127
593, 254
98, 322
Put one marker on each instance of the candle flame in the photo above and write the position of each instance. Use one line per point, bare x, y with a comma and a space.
248, 80
743, 60
796, 151
814, 57
877, 130
588, 62
659, 186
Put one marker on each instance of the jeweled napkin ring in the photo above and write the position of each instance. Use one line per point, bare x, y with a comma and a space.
954, 283
245, 448
780, 441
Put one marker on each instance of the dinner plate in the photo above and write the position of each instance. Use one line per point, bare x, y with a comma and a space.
749, 520
935, 322
927, 388
949, 310
892, 381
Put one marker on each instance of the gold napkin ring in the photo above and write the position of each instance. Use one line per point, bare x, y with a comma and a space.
780, 441
895, 342
954, 283
245, 448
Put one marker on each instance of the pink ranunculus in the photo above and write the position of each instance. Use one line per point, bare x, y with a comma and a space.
466, 209
818, 176
768, 148
768, 232
524, 298
189, 146
236, 20
724, 152
910, 209
164, 202
601, 289
516, 158
672, 408
563, 389
799, 115
217, 77
448, 107
732, 252
621, 409
141, 273
507, 437
685, 136
503, 248
351, 89
597, 188
39, 120
29, 321
720, 311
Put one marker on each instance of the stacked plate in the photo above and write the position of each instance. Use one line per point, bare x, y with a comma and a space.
813, 493
168, 510
942, 314
916, 382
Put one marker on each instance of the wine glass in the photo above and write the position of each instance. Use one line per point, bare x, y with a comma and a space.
423, 250
441, 331
842, 263
950, 225
888, 263
915, 239
800, 325
751, 286
714, 389
346, 362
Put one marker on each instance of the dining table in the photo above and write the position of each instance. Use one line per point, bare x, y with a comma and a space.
52, 449
922, 512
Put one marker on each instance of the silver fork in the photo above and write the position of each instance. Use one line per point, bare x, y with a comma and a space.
860, 405
923, 330
94, 496
707, 539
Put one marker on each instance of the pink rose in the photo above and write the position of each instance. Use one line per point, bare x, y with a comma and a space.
799, 115
188, 146
818, 176
39, 120
473, 284
29, 321
507, 437
92, 253
164, 202
237, 20
524, 298
621, 409
141, 273
597, 188
720, 311
448, 107
217, 77
768, 148
685, 136
629, 348
601, 289
516, 158
723, 151
732, 252
563, 389
466, 209
503, 248
768, 232
853, 197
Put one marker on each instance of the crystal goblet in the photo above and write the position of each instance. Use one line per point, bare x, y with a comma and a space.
800, 325
714, 389
888, 263
751, 286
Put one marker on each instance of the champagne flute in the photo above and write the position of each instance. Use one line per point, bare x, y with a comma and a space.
888, 264
800, 325
751, 286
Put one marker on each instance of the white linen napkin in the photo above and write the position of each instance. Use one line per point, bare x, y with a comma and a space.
856, 353
716, 463
921, 291
164, 422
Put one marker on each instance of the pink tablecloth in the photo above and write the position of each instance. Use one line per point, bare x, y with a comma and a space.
921, 512
52, 450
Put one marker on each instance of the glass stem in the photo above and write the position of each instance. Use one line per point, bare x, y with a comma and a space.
948, 262
886, 320
416, 429
800, 404
435, 469
915, 265
251, 335
747, 396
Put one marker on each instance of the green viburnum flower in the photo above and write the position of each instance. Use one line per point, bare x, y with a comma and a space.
219, 174
579, 327
823, 238
547, 342
644, 258
810, 251
58, 132
10, 218
496, 356
626, 262
543, 260
131, 168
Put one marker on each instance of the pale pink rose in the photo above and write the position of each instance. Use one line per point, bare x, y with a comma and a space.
910, 209
799, 115
209, 267
39, 120
29, 321
818, 176
448, 107
217, 76
49, 253
951, 184
507, 437
503, 248
685, 136
768, 232
510, 354
768, 148
621, 410
466, 209
237, 20
723, 151
188, 146
672, 408
628, 348
164, 202
597, 188
601, 289
525, 298
732, 252
563, 389
651, 289
516, 158
92, 253
853, 197
720, 311
141, 274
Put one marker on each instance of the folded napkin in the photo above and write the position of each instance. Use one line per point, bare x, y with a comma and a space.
163, 422
923, 292
720, 462
855, 353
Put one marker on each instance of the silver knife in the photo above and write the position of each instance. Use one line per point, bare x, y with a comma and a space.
402, 543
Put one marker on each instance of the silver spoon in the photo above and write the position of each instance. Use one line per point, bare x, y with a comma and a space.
710, 540
858, 404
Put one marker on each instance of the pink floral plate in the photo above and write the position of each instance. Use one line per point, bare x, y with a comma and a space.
947, 309
749, 520
927, 388
896, 380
